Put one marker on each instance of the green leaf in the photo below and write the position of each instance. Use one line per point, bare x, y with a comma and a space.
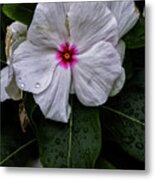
136, 37
16, 147
5, 21
73, 145
19, 12
124, 118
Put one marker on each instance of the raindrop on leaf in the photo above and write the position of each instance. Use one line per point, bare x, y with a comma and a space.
57, 141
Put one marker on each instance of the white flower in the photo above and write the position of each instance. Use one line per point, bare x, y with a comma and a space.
16, 33
127, 15
69, 47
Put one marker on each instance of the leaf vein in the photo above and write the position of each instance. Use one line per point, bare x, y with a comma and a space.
123, 115
70, 136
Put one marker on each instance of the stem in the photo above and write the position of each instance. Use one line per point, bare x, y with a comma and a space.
17, 150
70, 134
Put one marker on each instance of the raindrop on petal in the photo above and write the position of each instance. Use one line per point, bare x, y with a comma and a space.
22, 85
37, 85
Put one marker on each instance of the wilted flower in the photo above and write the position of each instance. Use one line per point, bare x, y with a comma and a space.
16, 33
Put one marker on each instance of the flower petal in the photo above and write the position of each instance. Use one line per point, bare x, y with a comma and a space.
48, 25
18, 30
67, 6
126, 14
33, 67
9, 89
4, 83
95, 73
54, 100
119, 83
121, 49
13, 91
91, 22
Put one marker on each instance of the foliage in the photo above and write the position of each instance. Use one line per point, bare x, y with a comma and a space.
76, 144
19, 12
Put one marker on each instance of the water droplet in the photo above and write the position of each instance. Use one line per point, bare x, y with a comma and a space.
22, 85
87, 151
85, 130
57, 141
61, 154
128, 139
82, 155
37, 85
139, 145
77, 130
51, 150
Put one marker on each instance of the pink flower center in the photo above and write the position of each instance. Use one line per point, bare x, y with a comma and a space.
66, 55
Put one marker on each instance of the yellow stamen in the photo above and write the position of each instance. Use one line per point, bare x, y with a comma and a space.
67, 56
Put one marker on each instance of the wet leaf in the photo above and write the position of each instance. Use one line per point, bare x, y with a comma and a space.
74, 145
124, 118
